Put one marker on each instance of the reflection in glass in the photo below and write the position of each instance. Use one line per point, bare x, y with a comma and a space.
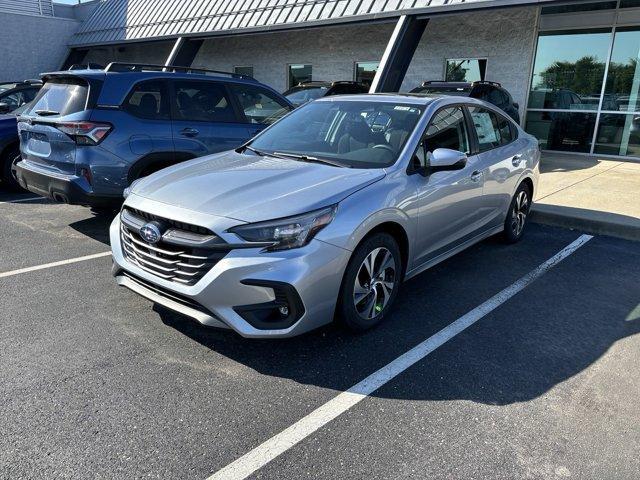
569, 70
623, 80
466, 69
563, 131
366, 71
619, 135
299, 73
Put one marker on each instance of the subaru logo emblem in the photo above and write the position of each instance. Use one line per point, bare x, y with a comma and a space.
150, 232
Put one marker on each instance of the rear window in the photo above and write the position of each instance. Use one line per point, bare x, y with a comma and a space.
60, 97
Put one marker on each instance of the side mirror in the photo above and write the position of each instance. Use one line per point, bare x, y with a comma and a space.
445, 159
4, 107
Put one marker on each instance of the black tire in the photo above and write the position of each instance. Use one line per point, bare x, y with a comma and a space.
9, 159
347, 310
518, 214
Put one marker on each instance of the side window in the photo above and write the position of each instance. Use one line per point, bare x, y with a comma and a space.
259, 105
203, 102
507, 131
486, 125
148, 100
30, 94
14, 100
447, 129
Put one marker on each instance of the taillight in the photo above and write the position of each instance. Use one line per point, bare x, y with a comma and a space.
85, 133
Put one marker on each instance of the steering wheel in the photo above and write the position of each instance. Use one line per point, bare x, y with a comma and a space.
385, 147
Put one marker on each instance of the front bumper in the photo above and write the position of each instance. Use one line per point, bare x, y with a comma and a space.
312, 273
61, 187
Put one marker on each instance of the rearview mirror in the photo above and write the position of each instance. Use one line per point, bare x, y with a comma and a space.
4, 108
445, 159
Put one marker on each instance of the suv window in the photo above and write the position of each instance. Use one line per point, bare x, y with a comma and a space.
148, 100
493, 130
447, 129
203, 102
61, 96
259, 105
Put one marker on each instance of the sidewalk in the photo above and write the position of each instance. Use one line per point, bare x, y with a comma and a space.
590, 194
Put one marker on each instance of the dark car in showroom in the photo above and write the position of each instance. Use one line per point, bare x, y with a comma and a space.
15, 94
491, 92
308, 91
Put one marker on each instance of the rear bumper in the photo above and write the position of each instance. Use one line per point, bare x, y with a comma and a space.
63, 188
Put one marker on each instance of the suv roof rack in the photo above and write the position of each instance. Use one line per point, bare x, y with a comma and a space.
121, 67
431, 82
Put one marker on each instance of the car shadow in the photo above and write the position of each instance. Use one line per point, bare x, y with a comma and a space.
525, 348
96, 226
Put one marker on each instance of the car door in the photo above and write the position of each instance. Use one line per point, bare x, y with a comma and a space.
259, 106
500, 159
204, 119
448, 202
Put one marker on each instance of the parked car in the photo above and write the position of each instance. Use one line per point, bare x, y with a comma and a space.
10, 148
15, 94
90, 133
322, 215
308, 91
491, 92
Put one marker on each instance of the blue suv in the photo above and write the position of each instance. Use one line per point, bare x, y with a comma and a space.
90, 133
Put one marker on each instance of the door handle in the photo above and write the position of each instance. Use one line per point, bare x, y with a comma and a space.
476, 176
515, 160
189, 132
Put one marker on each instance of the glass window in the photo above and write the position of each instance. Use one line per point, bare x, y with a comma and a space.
564, 131
148, 100
508, 132
259, 105
569, 70
13, 100
623, 80
203, 102
343, 132
586, 7
243, 70
465, 69
61, 97
629, 3
366, 71
299, 73
447, 130
299, 95
487, 127
619, 135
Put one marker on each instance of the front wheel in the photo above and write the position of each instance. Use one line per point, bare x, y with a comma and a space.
371, 282
518, 214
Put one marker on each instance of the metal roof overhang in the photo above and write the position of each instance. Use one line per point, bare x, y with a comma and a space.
153, 20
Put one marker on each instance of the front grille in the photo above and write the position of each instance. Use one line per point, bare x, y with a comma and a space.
178, 263
175, 224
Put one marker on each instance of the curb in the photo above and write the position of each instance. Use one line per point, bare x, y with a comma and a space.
596, 223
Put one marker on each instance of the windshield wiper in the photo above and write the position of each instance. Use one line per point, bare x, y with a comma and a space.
47, 113
307, 158
254, 150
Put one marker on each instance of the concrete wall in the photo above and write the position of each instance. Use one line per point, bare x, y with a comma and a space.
32, 44
332, 51
506, 38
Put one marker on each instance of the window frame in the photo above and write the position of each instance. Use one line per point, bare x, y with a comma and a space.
173, 94
355, 68
447, 60
288, 72
165, 83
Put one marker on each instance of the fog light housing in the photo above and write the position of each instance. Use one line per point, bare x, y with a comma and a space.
281, 313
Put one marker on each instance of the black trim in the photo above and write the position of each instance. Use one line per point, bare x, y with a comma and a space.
265, 316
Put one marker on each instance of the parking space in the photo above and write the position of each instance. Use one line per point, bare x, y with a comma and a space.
97, 382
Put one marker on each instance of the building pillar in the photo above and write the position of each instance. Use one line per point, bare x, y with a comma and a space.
398, 54
184, 52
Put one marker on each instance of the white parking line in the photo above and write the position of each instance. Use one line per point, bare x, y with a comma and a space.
19, 200
283, 441
53, 264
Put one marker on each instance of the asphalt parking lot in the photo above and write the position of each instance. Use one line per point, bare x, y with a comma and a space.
96, 382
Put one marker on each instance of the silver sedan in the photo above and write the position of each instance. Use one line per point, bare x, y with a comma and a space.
325, 213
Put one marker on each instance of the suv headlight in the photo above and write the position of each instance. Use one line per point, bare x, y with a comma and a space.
287, 233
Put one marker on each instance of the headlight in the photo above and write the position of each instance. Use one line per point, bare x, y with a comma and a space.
128, 190
287, 233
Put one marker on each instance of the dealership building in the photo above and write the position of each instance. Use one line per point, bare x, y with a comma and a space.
572, 66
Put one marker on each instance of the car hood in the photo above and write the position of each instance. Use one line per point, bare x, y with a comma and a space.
253, 188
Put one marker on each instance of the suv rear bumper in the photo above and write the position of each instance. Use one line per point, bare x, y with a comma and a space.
63, 188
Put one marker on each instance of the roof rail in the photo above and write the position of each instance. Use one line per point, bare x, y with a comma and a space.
431, 82
142, 67
487, 82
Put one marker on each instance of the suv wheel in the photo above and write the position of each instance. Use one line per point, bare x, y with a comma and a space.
518, 214
371, 282
9, 160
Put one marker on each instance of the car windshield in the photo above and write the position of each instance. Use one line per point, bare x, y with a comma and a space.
356, 134
299, 95
7, 86
443, 90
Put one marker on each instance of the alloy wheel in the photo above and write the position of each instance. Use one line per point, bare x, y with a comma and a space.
14, 168
519, 213
374, 283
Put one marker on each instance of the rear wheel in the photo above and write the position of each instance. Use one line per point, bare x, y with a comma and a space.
9, 160
371, 282
518, 214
